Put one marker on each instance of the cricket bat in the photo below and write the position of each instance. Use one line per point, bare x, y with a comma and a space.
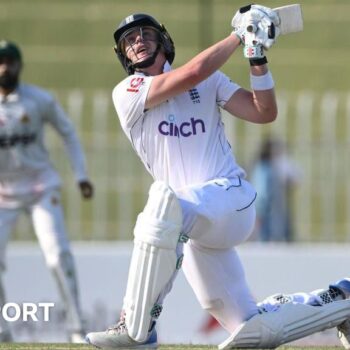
291, 18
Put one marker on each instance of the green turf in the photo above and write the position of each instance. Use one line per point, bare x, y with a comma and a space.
61, 346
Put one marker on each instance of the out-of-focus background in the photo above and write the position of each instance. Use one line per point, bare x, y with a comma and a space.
68, 48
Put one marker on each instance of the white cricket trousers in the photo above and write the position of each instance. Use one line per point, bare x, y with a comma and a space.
219, 215
47, 217
48, 222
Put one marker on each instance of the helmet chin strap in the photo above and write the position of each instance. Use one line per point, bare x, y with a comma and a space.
149, 61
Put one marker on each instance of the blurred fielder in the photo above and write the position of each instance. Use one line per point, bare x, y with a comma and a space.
29, 182
200, 196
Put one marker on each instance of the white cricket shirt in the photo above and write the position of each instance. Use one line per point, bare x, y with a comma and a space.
25, 167
181, 141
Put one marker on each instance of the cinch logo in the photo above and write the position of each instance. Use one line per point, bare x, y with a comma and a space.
185, 129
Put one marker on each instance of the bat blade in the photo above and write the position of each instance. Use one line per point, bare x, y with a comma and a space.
291, 18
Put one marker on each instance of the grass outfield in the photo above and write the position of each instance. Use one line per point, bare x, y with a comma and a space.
61, 346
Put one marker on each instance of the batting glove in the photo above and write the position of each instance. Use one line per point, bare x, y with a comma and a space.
257, 28
265, 25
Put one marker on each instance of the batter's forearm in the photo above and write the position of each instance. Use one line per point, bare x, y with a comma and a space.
264, 98
266, 105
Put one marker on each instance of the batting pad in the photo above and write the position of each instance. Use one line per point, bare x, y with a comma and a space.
290, 322
154, 258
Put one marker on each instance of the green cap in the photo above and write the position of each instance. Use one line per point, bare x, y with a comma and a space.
9, 49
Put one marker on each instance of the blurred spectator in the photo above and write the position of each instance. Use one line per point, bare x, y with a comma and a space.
274, 176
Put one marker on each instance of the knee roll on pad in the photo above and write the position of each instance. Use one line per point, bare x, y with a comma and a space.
161, 220
154, 259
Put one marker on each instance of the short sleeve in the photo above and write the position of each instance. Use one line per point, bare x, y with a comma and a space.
225, 87
129, 98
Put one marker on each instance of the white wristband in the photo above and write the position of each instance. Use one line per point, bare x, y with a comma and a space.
262, 82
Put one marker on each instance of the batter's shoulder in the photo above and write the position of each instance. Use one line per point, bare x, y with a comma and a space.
132, 83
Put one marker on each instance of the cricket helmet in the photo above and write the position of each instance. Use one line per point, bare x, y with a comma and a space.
142, 20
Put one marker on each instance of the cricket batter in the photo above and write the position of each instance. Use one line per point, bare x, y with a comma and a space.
200, 206
29, 182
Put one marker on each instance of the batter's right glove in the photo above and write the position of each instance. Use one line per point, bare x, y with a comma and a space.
257, 28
